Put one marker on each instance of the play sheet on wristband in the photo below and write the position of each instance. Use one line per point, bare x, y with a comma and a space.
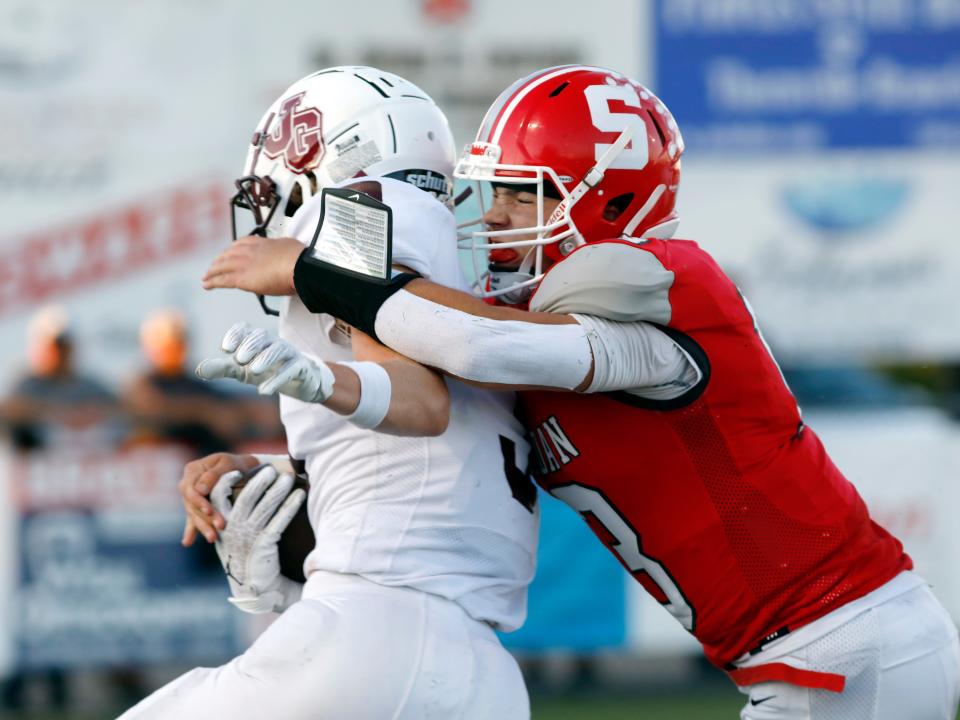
354, 233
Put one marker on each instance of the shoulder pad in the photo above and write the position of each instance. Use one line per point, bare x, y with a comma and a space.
614, 280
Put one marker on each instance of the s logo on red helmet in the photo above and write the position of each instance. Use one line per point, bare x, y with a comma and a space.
297, 136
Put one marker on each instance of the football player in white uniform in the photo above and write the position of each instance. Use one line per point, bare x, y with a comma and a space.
424, 545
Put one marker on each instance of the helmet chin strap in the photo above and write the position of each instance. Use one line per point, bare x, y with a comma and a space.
506, 278
595, 174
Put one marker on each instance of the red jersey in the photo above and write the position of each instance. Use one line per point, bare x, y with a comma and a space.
721, 503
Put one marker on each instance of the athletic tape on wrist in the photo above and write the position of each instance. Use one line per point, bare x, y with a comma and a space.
281, 462
284, 593
351, 298
265, 602
375, 392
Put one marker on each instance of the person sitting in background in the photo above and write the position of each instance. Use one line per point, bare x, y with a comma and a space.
53, 406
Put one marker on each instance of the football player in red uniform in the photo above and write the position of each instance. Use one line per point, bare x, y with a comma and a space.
680, 445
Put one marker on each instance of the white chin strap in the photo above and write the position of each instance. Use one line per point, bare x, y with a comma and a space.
510, 282
663, 231
518, 283
595, 174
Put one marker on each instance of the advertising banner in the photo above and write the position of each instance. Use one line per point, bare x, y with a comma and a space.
821, 166
99, 576
795, 74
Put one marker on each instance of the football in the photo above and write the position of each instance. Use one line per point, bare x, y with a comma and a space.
298, 539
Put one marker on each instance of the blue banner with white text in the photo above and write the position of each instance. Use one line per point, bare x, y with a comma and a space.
798, 74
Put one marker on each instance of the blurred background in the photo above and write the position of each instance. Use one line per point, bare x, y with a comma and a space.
822, 169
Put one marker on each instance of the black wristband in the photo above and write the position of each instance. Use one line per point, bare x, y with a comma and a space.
349, 297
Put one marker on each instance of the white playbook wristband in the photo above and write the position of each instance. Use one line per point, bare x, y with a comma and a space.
375, 393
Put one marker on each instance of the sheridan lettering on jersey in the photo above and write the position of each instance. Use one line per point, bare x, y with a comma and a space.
554, 448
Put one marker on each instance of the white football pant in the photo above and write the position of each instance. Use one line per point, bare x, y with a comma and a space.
355, 650
901, 660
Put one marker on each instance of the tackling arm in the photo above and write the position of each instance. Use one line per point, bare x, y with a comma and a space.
475, 306
496, 346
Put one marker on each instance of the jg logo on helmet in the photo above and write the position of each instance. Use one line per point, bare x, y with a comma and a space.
298, 136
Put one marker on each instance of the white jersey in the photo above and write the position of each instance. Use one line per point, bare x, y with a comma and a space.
436, 514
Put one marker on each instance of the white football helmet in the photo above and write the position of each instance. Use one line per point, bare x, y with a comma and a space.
336, 124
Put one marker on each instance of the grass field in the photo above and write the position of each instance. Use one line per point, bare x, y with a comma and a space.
699, 706
696, 705
705, 707
722, 706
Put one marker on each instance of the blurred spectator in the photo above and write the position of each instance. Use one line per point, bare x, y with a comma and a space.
55, 412
53, 406
168, 402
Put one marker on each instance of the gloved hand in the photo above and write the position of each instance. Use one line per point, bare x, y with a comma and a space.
247, 546
273, 365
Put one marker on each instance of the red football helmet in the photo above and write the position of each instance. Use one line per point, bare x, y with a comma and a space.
609, 146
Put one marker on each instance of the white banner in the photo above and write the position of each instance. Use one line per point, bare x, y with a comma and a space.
846, 257
126, 124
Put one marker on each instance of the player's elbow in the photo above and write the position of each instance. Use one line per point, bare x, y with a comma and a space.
424, 413
435, 413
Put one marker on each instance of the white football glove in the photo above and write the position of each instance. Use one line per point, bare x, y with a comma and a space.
247, 546
273, 365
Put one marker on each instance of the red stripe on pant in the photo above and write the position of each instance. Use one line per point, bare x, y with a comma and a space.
781, 672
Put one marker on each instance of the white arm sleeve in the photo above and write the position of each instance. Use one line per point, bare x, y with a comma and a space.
625, 356
637, 357
482, 350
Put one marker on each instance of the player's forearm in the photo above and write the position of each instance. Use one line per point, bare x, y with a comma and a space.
464, 302
495, 346
346, 390
357, 301
290, 592
592, 355
459, 342
492, 352
419, 404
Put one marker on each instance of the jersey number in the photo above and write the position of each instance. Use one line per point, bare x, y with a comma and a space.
636, 154
521, 486
625, 542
